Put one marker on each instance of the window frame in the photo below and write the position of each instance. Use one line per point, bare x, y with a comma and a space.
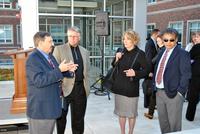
4, 4
178, 22
188, 33
150, 24
11, 33
151, 1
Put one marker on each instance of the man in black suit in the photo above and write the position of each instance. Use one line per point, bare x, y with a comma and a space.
171, 79
151, 52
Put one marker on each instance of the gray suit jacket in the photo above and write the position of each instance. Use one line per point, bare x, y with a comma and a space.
63, 52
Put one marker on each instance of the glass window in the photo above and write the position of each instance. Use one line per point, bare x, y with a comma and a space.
57, 32
59, 13
129, 8
118, 9
193, 27
6, 34
56, 26
151, 1
150, 28
7, 4
117, 34
179, 27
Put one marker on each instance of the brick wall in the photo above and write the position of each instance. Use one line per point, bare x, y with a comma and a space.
8, 17
161, 16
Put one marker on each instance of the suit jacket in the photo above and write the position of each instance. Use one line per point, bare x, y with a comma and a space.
177, 72
63, 52
150, 52
43, 82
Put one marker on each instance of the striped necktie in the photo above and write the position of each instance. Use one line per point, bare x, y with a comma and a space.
161, 68
50, 62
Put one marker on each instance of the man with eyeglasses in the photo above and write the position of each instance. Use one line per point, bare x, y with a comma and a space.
75, 85
172, 74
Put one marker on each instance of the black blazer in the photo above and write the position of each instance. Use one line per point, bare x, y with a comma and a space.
195, 57
151, 52
123, 85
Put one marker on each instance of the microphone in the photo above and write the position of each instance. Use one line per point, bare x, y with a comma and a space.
121, 50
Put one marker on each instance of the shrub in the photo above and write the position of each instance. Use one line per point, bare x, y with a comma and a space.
6, 74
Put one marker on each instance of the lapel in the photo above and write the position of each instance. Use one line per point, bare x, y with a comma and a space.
68, 53
154, 44
172, 56
53, 60
159, 57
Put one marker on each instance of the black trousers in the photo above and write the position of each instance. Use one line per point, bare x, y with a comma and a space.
193, 98
147, 99
152, 103
147, 90
77, 101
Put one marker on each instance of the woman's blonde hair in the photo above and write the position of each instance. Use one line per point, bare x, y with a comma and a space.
131, 35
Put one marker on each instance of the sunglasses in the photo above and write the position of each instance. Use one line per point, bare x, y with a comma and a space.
166, 40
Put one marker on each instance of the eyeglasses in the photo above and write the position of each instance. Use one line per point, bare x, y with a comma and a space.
72, 36
166, 40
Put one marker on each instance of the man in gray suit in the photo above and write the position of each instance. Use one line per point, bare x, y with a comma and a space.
44, 77
75, 86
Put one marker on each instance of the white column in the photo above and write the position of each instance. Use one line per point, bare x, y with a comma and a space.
139, 21
29, 21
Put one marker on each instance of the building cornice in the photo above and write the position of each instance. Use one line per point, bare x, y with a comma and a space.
174, 9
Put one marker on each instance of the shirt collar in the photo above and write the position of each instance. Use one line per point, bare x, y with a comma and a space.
43, 53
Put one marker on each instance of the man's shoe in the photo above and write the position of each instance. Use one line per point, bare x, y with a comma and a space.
148, 115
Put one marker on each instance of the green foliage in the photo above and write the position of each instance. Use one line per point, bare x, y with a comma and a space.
6, 74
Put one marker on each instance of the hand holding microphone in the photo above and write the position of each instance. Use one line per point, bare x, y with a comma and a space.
119, 54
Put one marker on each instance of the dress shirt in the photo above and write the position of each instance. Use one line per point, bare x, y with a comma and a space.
161, 85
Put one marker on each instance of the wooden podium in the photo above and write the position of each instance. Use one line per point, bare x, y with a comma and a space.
20, 95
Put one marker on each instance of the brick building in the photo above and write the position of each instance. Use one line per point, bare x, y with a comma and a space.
9, 25
183, 15
10, 35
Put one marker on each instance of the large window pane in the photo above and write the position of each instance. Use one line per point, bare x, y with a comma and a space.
129, 8
86, 7
150, 28
179, 27
59, 17
5, 4
6, 34
193, 27
118, 9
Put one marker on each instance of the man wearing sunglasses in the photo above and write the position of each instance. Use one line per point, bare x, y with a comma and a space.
172, 74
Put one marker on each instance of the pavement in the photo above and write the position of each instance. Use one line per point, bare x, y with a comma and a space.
99, 115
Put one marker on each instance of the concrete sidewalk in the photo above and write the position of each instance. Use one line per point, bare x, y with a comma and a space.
100, 118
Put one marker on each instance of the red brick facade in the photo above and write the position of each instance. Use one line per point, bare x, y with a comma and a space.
9, 17
162, 13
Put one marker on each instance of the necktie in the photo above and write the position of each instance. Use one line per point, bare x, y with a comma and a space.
50, 62
161, 68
